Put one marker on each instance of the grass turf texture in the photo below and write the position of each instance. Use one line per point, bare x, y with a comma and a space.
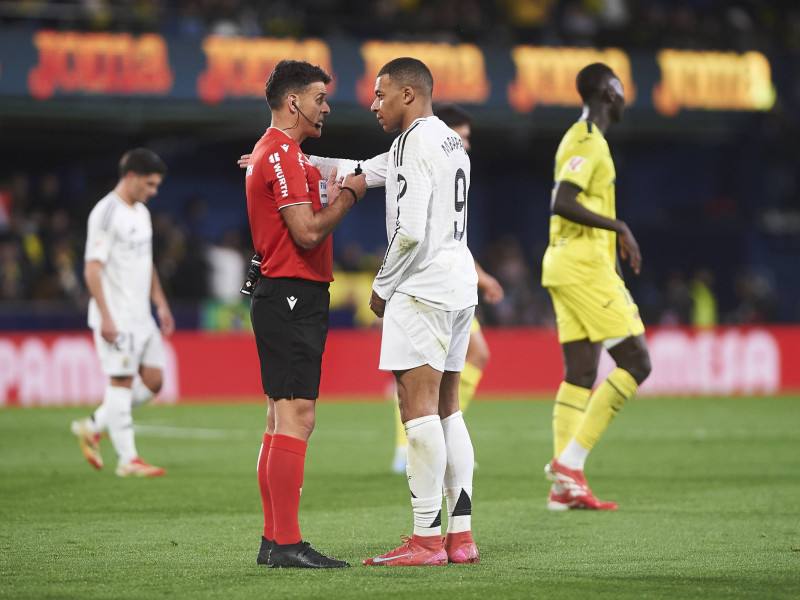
709, 498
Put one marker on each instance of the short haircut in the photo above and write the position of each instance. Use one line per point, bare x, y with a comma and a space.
590, 79
411, 72
292, 77
452, 115
141, 161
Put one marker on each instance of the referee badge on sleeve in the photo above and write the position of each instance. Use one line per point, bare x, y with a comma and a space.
323, 193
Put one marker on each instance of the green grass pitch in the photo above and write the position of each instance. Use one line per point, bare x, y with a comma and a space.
709, 493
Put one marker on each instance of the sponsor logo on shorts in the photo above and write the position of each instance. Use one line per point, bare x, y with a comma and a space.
292, 301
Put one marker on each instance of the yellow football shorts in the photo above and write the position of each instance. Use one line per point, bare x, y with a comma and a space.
600, 311
475, 326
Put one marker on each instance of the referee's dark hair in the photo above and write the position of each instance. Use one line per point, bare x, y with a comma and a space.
452, 115
141, 161
411, 72
591, 78
292, 76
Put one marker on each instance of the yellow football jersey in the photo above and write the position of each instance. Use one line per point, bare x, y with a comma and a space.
576, 252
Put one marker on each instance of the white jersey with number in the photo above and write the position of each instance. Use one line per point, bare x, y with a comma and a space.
427, 183
426, 173
121, 237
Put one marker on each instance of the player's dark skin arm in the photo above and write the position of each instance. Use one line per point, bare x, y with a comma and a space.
565, 204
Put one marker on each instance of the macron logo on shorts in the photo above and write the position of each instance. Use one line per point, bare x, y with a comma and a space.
292, 301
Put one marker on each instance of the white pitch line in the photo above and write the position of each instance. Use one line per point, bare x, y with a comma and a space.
665, 434
532, 434
196, 433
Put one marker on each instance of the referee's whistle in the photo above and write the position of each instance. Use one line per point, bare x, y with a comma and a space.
358, 169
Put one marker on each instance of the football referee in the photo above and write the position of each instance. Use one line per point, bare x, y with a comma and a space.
292, 213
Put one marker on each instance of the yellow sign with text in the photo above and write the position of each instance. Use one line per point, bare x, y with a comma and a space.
239, 67
100, 63
546, 76
459, 72
713, 81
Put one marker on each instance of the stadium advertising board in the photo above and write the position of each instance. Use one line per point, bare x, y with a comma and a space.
50, 66
547, 75
239, 67
62, 369
713, 81
100, 64
459, 71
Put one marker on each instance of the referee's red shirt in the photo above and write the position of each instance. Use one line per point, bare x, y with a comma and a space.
279, 175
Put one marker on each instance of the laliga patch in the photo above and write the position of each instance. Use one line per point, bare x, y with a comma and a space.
323, 193
575, 163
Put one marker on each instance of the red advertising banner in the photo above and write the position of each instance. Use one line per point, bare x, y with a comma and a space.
62, 368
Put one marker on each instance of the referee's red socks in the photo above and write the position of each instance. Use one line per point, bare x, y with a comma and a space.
263, 486
285, 466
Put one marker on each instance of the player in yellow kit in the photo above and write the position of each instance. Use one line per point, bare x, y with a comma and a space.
593, 307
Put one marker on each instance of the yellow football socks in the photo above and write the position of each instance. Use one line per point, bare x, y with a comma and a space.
470, 378
568, 412
400, 429
607, 400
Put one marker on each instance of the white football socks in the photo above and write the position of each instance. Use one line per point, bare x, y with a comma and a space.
458, 474
573, 456
141, 394
99, 421
120, 424
427, 461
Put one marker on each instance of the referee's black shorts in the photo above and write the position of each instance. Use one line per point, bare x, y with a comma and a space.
290, 321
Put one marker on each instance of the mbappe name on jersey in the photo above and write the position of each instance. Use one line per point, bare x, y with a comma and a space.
452, 143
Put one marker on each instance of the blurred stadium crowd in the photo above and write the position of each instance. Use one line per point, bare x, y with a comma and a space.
43, 214
686, 24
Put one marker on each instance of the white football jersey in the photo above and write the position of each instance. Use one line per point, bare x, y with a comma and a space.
426, 173
427, 184
121, 237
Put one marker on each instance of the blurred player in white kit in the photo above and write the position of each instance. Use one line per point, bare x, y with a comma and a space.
122, 281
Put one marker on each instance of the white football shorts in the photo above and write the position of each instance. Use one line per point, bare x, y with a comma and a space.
133, 347
416, 334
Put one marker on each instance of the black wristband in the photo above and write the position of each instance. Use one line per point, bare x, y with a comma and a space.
352, 191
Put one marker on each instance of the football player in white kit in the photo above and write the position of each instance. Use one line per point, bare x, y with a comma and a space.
426, 292
122, 281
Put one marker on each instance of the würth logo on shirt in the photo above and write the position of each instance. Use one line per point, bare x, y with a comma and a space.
575, 163
275, 159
